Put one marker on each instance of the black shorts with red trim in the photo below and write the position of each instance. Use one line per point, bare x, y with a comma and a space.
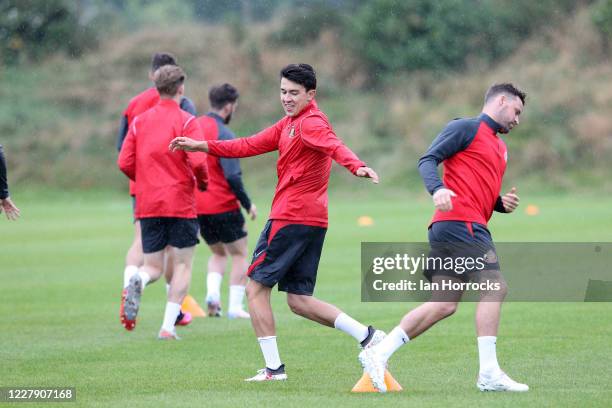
288, 254
225, 227
463, 248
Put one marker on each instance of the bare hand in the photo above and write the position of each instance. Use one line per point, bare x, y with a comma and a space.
12, 212
442, 199
368, 173
510, 200
188, 145
252, 212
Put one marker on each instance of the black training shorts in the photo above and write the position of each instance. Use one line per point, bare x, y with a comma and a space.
159, 232
466, 246
288, 254
225, 227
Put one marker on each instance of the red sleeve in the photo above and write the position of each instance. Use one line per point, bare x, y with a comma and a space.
197, 160
262, 142
318, 135
127, 155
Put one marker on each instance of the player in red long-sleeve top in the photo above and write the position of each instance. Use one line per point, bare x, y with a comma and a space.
165, 197
290, 245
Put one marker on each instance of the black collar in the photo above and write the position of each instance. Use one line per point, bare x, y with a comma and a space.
496, 127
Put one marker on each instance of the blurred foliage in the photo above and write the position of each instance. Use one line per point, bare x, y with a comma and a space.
31, 29
409, 35
602, 18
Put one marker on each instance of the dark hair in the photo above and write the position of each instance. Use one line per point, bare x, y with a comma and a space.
506, 88
160, 59
221, 95
168, 79
302, 74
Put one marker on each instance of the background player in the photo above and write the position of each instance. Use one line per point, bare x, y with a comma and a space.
137, 105
165, 199
221, 223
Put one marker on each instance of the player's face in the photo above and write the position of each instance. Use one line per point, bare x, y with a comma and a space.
294, 97
510, 109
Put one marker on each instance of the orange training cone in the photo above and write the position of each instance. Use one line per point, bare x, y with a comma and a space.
190, 305
365, 383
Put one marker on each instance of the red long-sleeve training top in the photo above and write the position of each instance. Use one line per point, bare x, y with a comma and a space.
166, 180
306, 144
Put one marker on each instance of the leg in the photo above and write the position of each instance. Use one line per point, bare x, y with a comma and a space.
262, 317
181, 278
149, 272
214, 277
134, 257
262, 320
441, 305
179, 286
488, 310
168, 265
238, 278
238, 251
313, 309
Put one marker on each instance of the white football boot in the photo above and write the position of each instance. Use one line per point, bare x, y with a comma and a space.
266, 374
375, 366
500, 382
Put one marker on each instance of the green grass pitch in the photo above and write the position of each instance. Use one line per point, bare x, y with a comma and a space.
61, 272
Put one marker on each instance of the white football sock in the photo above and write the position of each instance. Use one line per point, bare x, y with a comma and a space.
270, 351
213, 286
145, 278
393, 341
488, 356
129, 271
236, 294
172, 312
351, 326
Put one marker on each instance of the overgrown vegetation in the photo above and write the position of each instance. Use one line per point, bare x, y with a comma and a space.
60, 118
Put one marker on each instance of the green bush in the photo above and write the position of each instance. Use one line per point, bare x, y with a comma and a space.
31, 29
602, 18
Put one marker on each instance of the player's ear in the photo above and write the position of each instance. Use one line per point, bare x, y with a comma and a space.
311, 94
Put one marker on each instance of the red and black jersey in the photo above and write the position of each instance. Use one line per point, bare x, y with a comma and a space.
225, 189
306, 144
474, 161
165, 180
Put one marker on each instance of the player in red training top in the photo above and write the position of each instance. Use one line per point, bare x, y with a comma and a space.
137, 105
290, 245
474, 158
165, 198
221, 223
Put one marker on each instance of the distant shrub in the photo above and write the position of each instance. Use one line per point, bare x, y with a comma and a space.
602, 18
31, 29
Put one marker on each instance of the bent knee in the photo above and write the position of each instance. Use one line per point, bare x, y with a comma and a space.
445, 309
296, 304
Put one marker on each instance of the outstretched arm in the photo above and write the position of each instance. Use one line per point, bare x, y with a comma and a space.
318, 135
262, 142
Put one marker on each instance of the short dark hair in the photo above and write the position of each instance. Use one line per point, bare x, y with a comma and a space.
160, 59
506, 88
302, 74
221, 95
168, 79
